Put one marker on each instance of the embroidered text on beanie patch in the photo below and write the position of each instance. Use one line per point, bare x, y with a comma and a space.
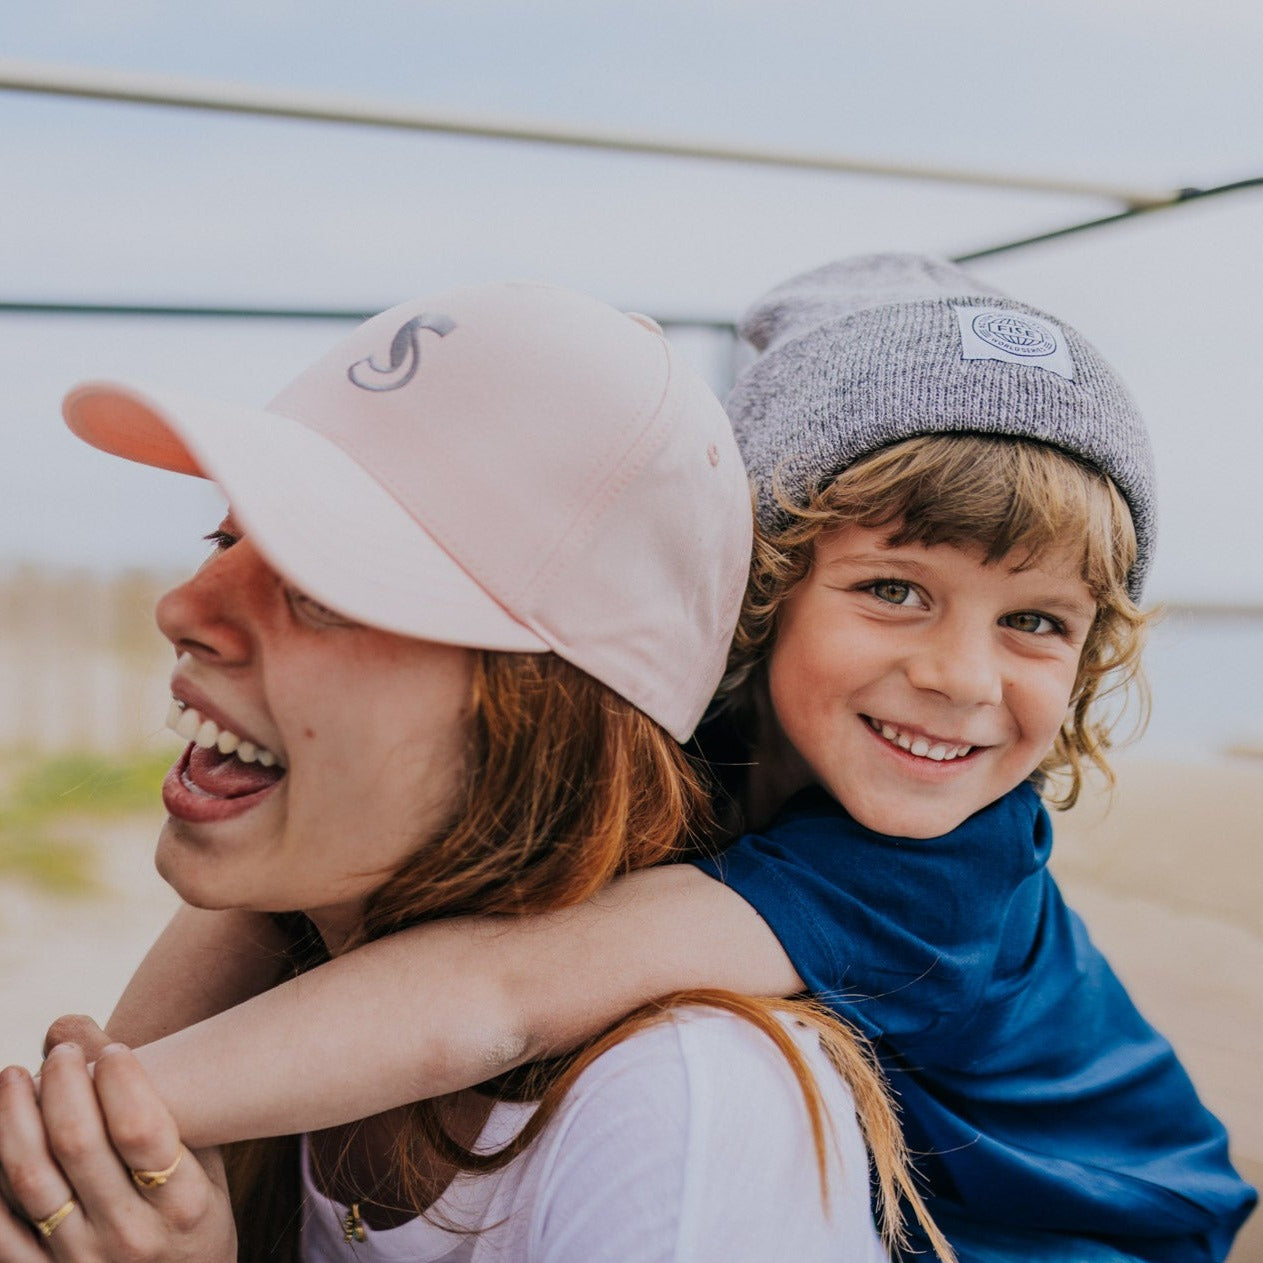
1013, 337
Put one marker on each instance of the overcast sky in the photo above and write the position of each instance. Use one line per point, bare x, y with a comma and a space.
113, 202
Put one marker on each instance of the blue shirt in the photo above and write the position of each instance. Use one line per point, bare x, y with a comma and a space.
1039, 1095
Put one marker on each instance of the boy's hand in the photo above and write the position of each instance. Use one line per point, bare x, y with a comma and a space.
77, 1029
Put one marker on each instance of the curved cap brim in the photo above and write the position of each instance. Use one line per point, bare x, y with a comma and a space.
319, 518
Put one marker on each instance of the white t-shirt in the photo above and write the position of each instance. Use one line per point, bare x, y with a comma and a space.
689, 1142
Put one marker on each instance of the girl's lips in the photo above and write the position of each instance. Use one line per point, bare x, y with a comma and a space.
185, 801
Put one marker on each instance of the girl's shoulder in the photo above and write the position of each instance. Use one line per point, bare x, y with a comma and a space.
697, 1125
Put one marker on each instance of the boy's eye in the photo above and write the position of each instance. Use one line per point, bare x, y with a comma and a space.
1035, 624
894, 592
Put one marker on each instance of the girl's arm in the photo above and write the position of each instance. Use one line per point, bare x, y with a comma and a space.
451, 1003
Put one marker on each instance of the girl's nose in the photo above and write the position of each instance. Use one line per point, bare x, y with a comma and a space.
213, 614
961, 664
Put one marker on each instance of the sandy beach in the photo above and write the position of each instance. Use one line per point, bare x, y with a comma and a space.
1169, 877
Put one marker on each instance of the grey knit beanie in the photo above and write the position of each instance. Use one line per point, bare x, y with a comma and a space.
864, 353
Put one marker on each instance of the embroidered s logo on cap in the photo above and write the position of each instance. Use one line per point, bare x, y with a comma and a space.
1013, 337
405, 355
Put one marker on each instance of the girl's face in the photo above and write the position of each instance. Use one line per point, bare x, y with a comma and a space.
919, 684
368, 730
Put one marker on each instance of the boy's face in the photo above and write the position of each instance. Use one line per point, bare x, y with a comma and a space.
919, 684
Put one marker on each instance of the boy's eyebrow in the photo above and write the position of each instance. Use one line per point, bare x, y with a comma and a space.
879, 560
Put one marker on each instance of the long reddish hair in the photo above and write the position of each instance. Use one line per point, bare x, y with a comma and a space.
569, 786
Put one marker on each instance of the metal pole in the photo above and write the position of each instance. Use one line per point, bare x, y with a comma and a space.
112, 85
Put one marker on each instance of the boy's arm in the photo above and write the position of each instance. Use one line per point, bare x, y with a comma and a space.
202, 963
446, 1005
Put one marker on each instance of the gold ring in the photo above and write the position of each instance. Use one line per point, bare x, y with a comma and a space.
54, 1221
156, 1179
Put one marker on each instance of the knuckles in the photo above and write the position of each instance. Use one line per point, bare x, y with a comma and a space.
29, 1184
138, 1244
147, 1134
72, 1139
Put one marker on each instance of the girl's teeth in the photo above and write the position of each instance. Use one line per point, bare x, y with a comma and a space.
889, 733
189, 723
938, 753
920, 747
904, 743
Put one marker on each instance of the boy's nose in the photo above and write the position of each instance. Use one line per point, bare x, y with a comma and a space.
960, 665
209, 614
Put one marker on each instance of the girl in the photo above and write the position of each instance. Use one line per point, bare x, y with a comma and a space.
482, 564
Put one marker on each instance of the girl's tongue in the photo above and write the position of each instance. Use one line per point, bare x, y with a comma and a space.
225, 775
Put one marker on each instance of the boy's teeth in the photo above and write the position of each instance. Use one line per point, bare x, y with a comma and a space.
189, 723
939, 752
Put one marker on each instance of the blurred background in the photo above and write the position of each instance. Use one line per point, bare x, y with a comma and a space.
206, 196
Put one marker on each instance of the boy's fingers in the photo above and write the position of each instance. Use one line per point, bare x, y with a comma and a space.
76, 1028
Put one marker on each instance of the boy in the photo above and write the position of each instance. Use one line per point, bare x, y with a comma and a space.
955, 497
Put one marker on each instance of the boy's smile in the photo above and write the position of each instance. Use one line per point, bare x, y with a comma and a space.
918, 684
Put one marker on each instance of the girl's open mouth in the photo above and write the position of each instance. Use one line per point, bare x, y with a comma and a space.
219, 775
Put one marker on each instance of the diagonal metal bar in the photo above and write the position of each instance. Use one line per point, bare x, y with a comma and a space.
1183, 198
144, 89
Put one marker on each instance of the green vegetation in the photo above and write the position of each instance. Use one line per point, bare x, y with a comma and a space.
45, 803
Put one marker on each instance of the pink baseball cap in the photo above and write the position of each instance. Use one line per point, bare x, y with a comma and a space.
511, 466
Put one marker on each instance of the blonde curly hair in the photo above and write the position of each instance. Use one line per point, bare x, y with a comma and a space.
1002, 497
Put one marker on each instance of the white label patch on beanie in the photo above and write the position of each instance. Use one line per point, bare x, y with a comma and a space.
997, 333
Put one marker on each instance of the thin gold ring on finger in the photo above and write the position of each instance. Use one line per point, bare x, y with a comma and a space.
156, 1179
57, 1218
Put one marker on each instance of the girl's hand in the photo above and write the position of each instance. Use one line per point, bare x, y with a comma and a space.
94, 1171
